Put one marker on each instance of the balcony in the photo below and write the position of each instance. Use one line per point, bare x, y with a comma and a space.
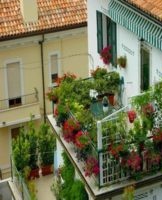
19, 109
113, 151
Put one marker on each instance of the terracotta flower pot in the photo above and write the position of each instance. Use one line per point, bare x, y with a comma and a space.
131, 116
111, 99
34, 173
46, 170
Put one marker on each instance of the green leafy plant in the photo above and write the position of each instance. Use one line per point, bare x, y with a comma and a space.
122, 61
46, 145
128, 193
21, 149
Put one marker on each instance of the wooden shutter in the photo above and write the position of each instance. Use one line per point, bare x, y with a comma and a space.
99, 32
54, 67
111, 30
13, 80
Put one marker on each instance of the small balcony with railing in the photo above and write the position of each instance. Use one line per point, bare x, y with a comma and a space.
19, 109
110, 148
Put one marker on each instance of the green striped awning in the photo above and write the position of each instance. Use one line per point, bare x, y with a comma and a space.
138, 24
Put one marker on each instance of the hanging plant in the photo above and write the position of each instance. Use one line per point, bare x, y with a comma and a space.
122, 61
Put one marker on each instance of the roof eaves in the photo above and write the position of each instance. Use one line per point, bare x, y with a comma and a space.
44, 31
147, 14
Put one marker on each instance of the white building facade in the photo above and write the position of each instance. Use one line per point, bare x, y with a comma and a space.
130, 33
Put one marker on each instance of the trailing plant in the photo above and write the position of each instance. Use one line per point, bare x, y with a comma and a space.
122, 61
129, 193
98, 73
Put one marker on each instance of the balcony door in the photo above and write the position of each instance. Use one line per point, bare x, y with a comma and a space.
14, 84
145, 68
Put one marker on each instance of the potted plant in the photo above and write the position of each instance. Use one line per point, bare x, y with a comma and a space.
33, 161
53, 94
21, 147
98, 73
122, 61
46, 149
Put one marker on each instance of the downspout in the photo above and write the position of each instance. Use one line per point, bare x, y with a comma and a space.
43, 80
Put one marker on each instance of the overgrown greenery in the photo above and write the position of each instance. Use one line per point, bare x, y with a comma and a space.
46, 145
70, 188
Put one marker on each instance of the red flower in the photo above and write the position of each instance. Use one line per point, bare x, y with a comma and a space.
134, 161
92, 166
106, 55
148, 109
115, 149
70, 128
81, 139
131, 116
157, 135
69, 77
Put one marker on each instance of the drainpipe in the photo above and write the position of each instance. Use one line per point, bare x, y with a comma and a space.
43, 81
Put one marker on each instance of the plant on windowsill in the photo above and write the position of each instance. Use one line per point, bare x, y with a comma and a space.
106, 55
122, 61
98, 73
53, 94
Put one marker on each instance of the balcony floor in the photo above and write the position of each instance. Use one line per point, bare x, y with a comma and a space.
43, 185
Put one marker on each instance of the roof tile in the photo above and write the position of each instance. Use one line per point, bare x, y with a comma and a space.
152, 7
53, 14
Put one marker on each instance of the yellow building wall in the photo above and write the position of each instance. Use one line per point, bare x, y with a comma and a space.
73, 58
4, 148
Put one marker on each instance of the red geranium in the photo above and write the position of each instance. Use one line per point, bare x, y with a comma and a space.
92, 166
81, 139
148, 109
157, 135
131, 116
70, 128
106, 55
134, 161
115, 149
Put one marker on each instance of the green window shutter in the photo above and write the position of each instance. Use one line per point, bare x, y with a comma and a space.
99, 32
111, 40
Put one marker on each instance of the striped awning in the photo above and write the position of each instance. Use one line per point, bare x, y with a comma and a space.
138, 24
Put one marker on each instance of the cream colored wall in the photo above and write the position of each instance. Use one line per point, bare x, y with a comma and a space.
73, 58
4, 148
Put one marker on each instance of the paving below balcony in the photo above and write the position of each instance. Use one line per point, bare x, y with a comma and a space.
43, 186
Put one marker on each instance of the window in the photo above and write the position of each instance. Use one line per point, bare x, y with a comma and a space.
14, 84
145, 68
54, 67
106, 35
